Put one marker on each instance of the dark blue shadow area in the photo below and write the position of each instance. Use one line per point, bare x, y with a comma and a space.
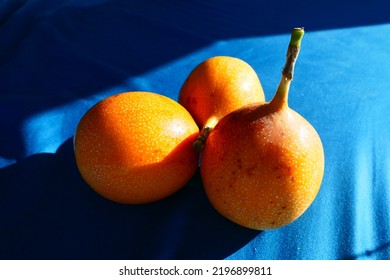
53, 214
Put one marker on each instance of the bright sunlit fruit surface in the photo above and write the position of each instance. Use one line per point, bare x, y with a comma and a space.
135, 147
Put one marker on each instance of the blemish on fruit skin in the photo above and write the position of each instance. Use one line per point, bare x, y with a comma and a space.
157, 151
292, 179
251, 170
191, 100
239, 163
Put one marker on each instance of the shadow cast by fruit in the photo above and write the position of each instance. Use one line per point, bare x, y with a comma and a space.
56, 215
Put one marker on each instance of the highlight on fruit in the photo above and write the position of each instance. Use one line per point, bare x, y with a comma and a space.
136, 147
262, 165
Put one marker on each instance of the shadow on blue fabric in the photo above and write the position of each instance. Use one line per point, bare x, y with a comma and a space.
60, 217
368, 253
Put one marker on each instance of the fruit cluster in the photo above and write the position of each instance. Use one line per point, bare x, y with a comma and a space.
261, 163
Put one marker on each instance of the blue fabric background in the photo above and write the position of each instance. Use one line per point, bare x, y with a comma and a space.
58, 58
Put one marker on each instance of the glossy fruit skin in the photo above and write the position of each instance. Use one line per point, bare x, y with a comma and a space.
218, 86
135, 147
262, 169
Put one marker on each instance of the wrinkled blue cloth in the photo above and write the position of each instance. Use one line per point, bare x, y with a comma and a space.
59, 58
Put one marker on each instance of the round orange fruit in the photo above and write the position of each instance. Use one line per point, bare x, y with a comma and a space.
135, 147
262, 165
261, 168
218, 86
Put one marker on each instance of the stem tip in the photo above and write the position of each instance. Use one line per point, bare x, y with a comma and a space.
296, 36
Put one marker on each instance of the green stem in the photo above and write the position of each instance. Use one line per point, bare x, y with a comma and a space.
281, 97
296, 36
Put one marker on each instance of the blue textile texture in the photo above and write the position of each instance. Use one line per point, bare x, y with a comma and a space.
59, 58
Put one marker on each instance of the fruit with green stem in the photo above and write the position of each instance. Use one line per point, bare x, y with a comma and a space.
262, 165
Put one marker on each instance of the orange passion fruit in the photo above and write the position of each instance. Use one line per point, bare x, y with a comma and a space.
136, 147
263, 164
218, 86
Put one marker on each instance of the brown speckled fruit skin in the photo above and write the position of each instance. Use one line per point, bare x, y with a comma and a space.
218, 86
262, 169
135, 147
